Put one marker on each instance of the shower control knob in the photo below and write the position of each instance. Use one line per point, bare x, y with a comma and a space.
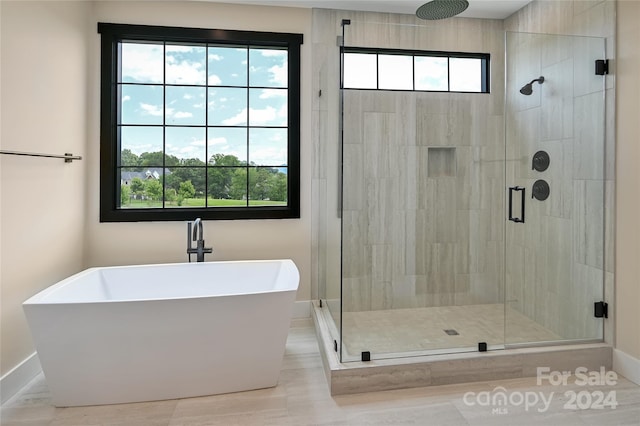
540, 190
540, 161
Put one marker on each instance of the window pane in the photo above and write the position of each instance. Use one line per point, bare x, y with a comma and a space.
431, 73
180, 187
227, 107
192, 195
140, 189
395, 72
135, 140
141, 63
227, 186
185, 105
267, 107
227, 66
141, 104
227, 141
360, 71
268, 68
268, 147
185, 64
185, 143
267, 187
466, 74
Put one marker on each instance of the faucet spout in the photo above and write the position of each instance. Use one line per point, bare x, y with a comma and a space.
195, 232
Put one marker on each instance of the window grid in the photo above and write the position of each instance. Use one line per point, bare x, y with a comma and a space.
288, 167
483, 57
207, 126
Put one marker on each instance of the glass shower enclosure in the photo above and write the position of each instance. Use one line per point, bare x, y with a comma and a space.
452, 221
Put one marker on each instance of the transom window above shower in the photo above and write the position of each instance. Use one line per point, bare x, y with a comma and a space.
385, 69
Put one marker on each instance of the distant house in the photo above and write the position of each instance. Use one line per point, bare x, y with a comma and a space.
150, 173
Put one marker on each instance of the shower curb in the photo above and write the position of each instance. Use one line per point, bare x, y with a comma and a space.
433, 370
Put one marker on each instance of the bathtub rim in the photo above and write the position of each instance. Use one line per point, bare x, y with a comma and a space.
37, 299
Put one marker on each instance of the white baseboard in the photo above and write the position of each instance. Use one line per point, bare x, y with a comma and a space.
626, 365
301, 309
19, 377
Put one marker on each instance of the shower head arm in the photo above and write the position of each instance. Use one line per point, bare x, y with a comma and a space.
540, 80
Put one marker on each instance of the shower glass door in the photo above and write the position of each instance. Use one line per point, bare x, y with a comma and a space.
422, 199
555, 174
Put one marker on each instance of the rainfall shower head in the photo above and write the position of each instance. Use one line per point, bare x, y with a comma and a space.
441, 9
527, 89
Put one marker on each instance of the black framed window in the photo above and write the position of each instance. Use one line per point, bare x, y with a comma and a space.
392, 69
199, 123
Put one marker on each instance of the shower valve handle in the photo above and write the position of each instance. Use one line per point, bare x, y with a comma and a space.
513, 189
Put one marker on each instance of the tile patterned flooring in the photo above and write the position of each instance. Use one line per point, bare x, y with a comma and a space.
423, 329
302, 398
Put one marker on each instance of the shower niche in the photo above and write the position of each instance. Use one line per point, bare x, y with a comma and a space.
420, 259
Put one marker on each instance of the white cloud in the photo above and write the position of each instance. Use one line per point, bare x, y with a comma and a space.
279, 74
283, 111
183, 49
185, 72
190, 148
272, 93
240, 118
126, 98
187, 96
142, 62
155, 110
272, 156
258, 117
214, 57
181, 114
140, 148
218, 141
271, 53
214, 79
262, 116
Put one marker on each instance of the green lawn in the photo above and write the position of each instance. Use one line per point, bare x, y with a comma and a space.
199, 202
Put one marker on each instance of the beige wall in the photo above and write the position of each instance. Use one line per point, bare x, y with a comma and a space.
628, 179
43, 59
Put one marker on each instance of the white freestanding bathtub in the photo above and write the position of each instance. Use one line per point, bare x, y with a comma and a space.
151, 332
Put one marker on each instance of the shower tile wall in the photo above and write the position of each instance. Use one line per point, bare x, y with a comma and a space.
544, 280
423, 201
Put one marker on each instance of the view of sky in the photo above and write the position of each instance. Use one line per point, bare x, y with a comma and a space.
396, 72
200, 98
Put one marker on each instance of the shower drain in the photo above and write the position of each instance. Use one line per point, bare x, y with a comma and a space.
451, 332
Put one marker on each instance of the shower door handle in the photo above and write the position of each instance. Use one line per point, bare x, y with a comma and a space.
513, 189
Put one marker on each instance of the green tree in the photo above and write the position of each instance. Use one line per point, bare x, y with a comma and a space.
129, 159
170, 195
190, 169
238, 190
187, 190
125, 194
153, 189
278, 187
259, 183
155, 159
221, 172
137, 186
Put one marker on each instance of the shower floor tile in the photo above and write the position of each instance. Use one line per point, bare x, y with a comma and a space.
433, 329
